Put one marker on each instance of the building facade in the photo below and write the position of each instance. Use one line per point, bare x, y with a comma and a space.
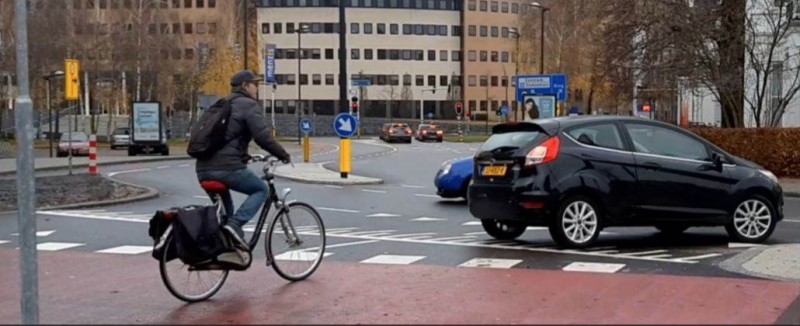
415, 54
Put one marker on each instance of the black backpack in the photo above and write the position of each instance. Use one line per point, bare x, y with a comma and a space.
198, 235
208, 135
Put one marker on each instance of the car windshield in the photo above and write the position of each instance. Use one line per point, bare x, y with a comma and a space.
121, 132
511, 140
400, 125
75, 138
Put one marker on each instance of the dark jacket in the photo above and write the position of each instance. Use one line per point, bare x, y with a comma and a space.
246, 124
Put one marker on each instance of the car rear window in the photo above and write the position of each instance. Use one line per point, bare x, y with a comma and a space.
403, 125
518, 139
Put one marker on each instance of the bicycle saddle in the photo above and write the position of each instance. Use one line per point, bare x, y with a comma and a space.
214, 186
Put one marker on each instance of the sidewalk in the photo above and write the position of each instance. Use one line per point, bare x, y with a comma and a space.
315, 173
9, 165
791, 187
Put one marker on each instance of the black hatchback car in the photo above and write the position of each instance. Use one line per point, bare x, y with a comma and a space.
578, 175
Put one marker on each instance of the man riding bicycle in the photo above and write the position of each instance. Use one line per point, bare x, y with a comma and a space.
227, 164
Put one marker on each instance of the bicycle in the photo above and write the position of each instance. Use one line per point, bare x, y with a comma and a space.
285, 219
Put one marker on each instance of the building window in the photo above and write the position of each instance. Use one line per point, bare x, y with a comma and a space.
495, 31
504, 81
431, 55
484, 5
473, 55
484, 56
212, 3
201, 28
367, 54
201, 3
354, 54
504, 32
443, 55
494, 6
382, 54
472, 5
495, 56
381, 28
394, 29
406, 80
367, 28
353, 28
484, 31
395, 54
304, 79
494, 81
277, 28
442, 30
316, 54
431, 80
484, 81
316, 79
187, 3
430, 29
504, 56
419, 80
456, 55
290, 28
328, 79
473, 81
456, 30
408, 29
329, 54
406, 54
212, 28
484, 106
187, 28
504, 7
514, 8
471, 105
443, 80
188, 54
394, 80
472, 30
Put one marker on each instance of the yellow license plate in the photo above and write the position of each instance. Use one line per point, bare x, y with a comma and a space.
496, 170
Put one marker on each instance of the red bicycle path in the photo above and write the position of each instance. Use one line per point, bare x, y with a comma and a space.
93, 288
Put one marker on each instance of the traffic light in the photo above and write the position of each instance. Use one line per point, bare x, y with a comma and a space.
459, 108
354, 105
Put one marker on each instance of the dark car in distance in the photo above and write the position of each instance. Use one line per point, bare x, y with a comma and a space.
392, 132
429, 132
578, 175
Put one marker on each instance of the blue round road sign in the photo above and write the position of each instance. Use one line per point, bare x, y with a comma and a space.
305, 126
345, 125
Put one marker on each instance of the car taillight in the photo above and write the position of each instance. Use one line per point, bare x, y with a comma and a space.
391, 131
545, 152
424, 132
408, 131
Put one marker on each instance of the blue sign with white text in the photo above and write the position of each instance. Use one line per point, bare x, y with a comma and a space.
345, 125
270, 64
555, 85
306, 126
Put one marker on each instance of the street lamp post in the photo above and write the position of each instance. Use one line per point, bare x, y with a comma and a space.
514, 31
541, 45
300, 30
47, 78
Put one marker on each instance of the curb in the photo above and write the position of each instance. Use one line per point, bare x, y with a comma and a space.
736, 264
150, 194
341, 182
85, 165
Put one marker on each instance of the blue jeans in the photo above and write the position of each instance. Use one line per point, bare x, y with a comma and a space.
242, 181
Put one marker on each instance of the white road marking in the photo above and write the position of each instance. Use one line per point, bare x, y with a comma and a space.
392, 259
347, 244
4, 241
383, 215
792, 221
334, 187
744, 245
491, 263
535, 228
128, 171
126, 250
642, 253
426, 195
471, 223
162, 167
374, 191
465, 237
201, 197
593, 267
93, 217
183, 165
44, 233
657, 256
599, 248
300, 255
429, 219
699, 257
56, 246
336, 210
413, 186
410, 235
375, 233
476, 233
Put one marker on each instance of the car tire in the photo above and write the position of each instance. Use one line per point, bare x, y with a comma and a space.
585, 213
746, 216
131, 151
165, 152
672, 229
439, 140
503, 230
113, 147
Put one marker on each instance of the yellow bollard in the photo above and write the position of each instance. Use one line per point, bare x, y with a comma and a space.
306, 148
344, 157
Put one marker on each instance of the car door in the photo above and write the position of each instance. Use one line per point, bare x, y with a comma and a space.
675, 174
603, 153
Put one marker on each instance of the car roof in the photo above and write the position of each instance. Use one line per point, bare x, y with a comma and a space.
553, 125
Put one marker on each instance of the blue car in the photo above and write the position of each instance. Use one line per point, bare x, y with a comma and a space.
453, 178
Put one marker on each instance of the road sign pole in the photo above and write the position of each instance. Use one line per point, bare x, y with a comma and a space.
344, 157
306, 148
272, 106
26, 184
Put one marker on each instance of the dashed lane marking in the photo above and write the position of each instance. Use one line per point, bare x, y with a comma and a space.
334, 187
471, 223
383, 215
183, 165
392, 259
56, 246
44, 233
413, 186
426, 195
699, 257
126, 250
162, 167
374, 191
4, 241
341, 210
593, 267
744, 245
91, 216
491, 263
128, 171
429, 219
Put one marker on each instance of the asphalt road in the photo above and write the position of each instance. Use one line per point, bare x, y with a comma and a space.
401, 220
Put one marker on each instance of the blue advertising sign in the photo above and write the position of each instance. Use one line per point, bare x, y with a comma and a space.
555, 84
544, 105
360, 82
306, 126
270, 64
345, 125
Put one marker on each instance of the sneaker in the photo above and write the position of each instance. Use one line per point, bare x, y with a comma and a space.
236, 233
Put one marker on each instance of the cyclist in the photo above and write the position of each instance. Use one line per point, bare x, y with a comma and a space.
228, 165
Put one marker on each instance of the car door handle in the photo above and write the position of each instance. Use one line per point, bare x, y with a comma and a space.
651, 165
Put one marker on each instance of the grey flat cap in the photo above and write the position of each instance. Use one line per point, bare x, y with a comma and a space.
244, 76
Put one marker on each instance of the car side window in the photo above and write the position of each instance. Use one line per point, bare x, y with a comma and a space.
601, 135
662, 141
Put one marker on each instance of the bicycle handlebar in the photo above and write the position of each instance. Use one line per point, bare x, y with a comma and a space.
270, 160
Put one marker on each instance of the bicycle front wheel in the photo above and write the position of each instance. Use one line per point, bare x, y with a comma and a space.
295, 241
186, 282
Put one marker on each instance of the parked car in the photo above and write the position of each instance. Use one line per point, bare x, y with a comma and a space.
429, 132
121, 137
396, 132
80, 144
578, 175
452, 179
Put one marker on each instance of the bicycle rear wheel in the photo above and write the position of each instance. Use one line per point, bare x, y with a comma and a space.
187, 283
295, 241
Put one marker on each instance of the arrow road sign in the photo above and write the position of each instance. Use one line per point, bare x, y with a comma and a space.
305, 126
345, 125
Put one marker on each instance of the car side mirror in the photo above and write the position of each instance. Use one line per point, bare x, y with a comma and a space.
716, 159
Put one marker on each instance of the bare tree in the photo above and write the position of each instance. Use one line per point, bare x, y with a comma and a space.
773, 68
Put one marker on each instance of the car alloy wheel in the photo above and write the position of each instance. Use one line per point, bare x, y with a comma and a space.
753, 220
578, 223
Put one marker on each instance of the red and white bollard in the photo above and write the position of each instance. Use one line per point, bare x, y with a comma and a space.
92, 154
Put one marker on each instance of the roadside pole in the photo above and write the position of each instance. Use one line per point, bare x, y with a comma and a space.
72, 93
26, 184
345, 125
